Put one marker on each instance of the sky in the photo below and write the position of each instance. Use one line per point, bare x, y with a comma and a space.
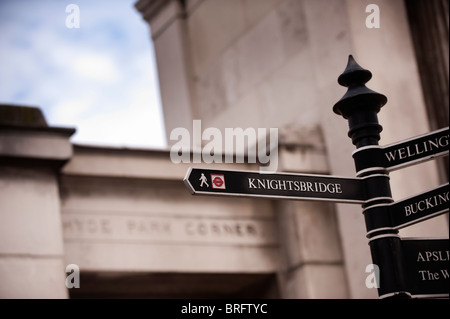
98, 76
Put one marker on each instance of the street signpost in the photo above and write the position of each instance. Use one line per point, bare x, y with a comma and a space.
281, 186
390, 253
409, 268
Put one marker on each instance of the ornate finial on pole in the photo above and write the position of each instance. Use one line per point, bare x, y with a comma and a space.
360, 105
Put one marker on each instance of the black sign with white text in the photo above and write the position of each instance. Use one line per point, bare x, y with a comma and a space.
424, 206
427, 266
408, 152
279, 185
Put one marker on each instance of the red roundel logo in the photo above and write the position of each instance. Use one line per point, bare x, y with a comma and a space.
218, 181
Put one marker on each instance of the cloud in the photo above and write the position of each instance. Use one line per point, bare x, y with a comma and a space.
99, 78
71, 109
96, 67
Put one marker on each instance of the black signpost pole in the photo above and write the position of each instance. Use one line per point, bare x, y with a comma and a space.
360, 106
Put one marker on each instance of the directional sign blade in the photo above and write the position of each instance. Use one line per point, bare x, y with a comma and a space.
279, 185
420, 207
427, 266
417, 149
405, 153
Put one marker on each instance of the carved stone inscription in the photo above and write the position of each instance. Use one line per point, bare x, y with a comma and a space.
170, 229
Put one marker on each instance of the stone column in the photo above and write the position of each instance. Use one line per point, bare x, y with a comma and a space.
168, 31
31, 242
311, 259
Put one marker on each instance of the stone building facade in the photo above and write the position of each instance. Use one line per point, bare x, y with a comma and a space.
126, 219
